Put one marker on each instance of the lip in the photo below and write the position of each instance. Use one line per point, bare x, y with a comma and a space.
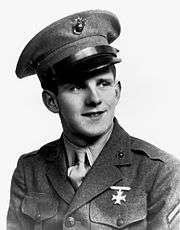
94, 114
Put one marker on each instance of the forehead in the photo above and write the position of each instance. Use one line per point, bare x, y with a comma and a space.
108, 72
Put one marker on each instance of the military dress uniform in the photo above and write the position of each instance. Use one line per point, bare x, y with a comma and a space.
130, 185
43, 198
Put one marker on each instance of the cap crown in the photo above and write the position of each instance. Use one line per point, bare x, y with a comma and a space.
66, 37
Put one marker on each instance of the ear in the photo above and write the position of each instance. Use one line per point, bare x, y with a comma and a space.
118, 90
50, 101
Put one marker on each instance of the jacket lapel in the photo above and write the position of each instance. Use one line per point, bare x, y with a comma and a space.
106, 171
54, 153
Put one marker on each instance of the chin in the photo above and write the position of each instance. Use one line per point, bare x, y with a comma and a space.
95, 132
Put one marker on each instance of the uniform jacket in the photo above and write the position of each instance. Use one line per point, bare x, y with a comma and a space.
42, 197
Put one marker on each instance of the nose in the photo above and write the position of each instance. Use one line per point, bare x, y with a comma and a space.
93, 98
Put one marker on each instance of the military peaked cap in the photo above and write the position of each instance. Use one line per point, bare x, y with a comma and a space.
79, 41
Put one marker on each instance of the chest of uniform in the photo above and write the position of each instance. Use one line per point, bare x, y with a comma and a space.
113, 209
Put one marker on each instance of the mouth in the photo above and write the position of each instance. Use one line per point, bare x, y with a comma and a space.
94, 114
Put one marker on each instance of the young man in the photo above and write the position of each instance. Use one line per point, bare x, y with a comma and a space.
95, 176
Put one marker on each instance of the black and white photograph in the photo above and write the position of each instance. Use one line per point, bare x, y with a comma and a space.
90, 115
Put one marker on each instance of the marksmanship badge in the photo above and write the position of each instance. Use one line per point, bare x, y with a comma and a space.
119, 196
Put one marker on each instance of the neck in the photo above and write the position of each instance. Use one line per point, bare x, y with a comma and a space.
83, 141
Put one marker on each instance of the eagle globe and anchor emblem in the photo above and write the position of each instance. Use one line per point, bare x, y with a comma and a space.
78, 26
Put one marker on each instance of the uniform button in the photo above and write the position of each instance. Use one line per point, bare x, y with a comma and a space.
120, 222
120, 154
70, 222
38, 217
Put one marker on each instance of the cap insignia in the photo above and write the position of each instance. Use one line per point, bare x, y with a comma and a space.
78, 26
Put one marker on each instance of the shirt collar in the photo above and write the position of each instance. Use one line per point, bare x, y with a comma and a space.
92, 150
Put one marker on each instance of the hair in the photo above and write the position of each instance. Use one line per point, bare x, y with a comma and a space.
51, 83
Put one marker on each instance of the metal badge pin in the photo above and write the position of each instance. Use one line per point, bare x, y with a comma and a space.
78, 26
119, 196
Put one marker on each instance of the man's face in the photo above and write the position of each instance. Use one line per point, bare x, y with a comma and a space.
87, 108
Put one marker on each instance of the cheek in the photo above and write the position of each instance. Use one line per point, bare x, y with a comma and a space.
111, 98
69, 106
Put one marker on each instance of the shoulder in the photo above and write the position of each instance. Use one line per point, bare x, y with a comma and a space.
139, 147
47, 150
155, 154
161, 168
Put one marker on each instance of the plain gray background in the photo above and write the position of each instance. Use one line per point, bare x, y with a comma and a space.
150, 71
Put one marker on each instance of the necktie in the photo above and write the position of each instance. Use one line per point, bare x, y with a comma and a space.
77, 172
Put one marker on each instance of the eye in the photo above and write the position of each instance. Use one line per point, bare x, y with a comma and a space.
75, 88
104, 83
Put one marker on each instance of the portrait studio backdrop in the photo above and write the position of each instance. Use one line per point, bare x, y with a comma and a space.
149, 74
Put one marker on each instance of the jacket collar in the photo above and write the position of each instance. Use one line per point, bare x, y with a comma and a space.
50, 151
117, 150
55, 156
